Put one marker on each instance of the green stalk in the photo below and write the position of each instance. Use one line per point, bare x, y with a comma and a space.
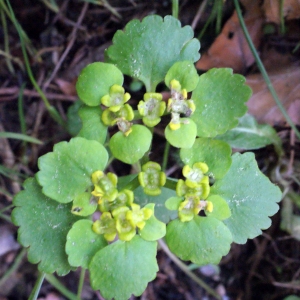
183, 267
282, 25
13, 267
61, 288
53, 112
171, 184
36, 289
263, 70
166, 156
81, 281
6, 41
175, 8
19, 136
24, 35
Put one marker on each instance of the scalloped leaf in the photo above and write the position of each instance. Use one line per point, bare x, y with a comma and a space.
220, 98
203, 240
184, 72
95, 80
92, 126
161, 212
83, 243
66, 172
146, 50
221, 210
124, 268
250, 135
216, 154
154, 229
251, 196
183, 137
44, 224
84, 204
129, 149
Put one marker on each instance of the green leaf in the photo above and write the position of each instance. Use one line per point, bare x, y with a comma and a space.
161, 212
146, 50
250, 135
92, 126
44, 224
251, 197
124, 268
154, 229
129, 149
84, 204
221, 210
216, 154
203, 240
83, 243
66, 172
74, 123
95, 80
183, 137
173, 203
220, 98
184, 72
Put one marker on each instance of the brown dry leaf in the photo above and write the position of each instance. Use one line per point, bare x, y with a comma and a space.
291, 10
287, 85
67, 87
230, 49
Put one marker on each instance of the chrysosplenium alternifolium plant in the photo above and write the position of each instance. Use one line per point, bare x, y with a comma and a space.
74, 213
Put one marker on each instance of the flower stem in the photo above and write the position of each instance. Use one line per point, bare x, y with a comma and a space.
187, 271
36, 289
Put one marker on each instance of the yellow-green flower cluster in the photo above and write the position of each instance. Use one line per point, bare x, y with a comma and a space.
178, 104
152, 178
120, 216
195, 189
152, 108
117, 108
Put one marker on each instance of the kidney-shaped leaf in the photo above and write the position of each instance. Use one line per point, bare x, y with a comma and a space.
83, 243
184, 72
161, 212
92, 126
131, 148
251, 196
124, 268
216, 154
95, 80
251, 135
203, 240
220, 98
146, 50
183, 137
66, 172
44, 224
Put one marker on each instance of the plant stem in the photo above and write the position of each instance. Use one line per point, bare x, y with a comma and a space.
61, 288
165, 157
186, 270
36, 289
13, 267
6, 41
171, 184
175, 8
263, 70
81, 281
53, 112
281, 12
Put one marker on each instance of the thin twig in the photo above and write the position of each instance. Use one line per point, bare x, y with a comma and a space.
69, 46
